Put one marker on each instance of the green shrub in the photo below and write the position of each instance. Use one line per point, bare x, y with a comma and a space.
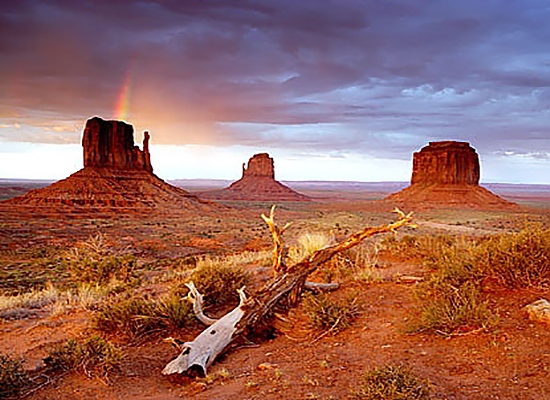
13, 378
325, 313
392, 382
451, 299
92, 356
174, 312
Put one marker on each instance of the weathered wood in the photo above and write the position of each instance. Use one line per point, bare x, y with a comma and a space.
286, 286
289, 285
201, 352
195, 297
280, 250
321, 287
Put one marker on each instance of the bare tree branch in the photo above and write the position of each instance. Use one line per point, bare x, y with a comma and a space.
195, 297
284, 289
280, 251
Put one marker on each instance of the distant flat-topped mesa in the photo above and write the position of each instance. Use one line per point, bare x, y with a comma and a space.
446, 174
257, 183
117, 176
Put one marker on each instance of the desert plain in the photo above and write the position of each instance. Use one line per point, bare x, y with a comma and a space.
508, 359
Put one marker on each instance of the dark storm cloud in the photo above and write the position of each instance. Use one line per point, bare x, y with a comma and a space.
377, 76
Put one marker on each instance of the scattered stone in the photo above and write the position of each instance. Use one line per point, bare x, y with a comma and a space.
446, 174
539, 311
265, 366
408, 279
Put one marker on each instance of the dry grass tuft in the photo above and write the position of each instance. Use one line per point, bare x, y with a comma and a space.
219, 279
26, 304
93, 262
93, 356
325, 313
138, 317
391, 382
517, 260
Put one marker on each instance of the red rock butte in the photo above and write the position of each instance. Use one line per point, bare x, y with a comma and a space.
446, 174
257, 184
117, 176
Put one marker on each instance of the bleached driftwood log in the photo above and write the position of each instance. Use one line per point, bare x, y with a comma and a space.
201, 352
284, 289
196, 298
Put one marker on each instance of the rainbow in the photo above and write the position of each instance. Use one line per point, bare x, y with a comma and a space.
123, 99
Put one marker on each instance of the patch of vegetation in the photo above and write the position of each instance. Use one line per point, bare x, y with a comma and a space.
517, 259
325, 313
448, 309
92, 262
13, 377
218, 280
139, 316
391, 382
30, 269
451, 299
92, 356
26, 304
424, 247
362, 262
308, 243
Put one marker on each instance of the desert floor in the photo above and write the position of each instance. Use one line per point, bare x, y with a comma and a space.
509, 361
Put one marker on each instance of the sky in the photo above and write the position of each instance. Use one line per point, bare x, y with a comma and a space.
331, 89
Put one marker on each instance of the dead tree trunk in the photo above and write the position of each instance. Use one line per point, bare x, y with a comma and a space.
286, 286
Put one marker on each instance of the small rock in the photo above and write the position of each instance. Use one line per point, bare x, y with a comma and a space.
198, 386
539, 311
265, 366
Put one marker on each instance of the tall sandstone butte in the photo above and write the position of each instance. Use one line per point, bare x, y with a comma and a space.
110, 144
446, 163
257, 183
446, 174
260, 165
117, 176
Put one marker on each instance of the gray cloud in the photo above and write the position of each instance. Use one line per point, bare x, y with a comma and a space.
377, 77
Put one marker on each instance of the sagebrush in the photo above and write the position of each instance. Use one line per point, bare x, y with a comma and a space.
13, 377
392, 382
91, 356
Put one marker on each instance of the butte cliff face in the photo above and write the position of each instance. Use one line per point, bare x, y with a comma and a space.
446, 163
446, 174
257, 183
110, 144
117, 177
